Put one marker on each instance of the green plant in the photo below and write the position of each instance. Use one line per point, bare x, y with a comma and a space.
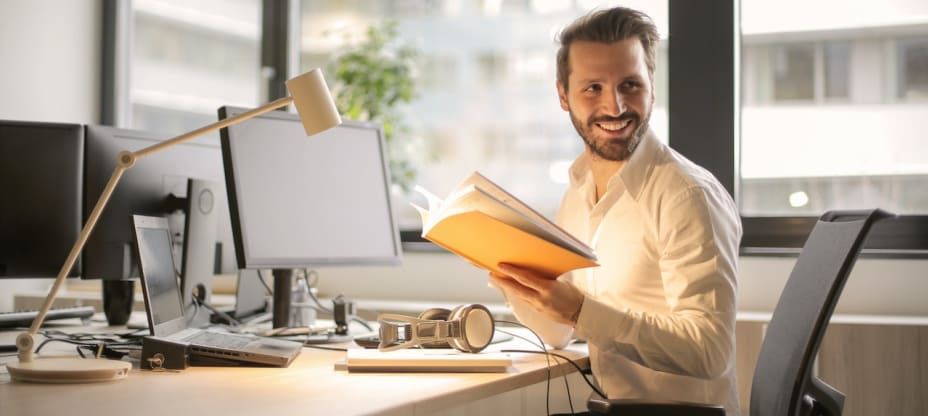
373, 78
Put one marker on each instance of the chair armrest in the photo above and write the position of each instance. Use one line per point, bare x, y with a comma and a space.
633, 407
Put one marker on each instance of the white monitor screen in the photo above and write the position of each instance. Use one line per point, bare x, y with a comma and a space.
302, 201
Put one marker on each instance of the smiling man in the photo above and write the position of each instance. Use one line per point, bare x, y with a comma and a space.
659, 312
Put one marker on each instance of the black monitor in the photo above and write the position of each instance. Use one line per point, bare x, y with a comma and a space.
40, 216
300, 202
156, 185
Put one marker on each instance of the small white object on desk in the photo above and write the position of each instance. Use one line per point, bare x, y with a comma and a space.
424, 360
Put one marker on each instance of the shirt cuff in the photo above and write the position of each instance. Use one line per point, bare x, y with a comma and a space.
598, 321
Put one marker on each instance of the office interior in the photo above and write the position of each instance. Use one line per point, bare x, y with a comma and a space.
52, 71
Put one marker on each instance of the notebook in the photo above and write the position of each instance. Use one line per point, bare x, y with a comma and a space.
166, 318
425, 361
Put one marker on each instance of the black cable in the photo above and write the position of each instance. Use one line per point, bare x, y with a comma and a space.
267, 288
572, 362
312, 273
196, 310
541, 344
570, 400
363, 323
112, 338
323, 347
212, 309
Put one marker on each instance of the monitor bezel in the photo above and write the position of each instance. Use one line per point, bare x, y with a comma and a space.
170, 326
101, 145
71, 216
246, 262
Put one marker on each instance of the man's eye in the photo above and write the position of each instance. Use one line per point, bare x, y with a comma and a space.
594, 88
631, 86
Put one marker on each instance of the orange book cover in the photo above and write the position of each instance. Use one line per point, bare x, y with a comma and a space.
486, 225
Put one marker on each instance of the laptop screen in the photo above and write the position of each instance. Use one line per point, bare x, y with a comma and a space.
159, 278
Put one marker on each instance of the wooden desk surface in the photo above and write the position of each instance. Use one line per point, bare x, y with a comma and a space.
310, 385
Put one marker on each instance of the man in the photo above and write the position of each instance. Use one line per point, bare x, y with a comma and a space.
659, 312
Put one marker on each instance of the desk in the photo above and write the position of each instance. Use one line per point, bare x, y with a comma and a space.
310, 386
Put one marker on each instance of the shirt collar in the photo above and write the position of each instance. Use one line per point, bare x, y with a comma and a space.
633, 175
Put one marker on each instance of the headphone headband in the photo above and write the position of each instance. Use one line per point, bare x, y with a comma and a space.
468, 328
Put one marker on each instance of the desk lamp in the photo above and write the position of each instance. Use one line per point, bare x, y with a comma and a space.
313, 102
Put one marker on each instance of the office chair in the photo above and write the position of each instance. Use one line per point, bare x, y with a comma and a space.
783, 383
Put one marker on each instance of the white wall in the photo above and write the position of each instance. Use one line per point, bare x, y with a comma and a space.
50, 72
50, 51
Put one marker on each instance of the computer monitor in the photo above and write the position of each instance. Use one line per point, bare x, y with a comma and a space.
41, 167
156, 186
300, 202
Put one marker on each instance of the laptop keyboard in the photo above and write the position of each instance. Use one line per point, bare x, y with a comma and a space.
219, 340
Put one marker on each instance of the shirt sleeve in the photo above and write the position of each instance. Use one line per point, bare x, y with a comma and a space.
554, 334
698, 234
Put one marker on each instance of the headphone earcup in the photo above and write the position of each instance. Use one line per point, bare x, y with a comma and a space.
435, 314
477, 327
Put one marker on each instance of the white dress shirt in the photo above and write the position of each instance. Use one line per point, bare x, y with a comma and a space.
659, 311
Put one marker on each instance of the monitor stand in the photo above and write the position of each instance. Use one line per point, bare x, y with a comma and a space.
282, 285
342, 309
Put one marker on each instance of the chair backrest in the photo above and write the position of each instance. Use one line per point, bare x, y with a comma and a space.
783, 382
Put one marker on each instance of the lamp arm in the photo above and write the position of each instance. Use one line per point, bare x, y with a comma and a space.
25, 342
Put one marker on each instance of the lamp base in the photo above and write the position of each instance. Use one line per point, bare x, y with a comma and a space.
68, 370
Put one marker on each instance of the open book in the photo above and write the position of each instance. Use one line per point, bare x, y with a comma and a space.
486, 225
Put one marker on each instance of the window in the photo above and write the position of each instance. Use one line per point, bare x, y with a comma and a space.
486, 88
913, 69
832, 93
184, 60
831, 118
810, 153
794, 72
837, 69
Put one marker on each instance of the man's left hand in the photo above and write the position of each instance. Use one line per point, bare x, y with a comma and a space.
556, 299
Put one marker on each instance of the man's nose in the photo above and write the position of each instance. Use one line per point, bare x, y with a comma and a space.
613, 104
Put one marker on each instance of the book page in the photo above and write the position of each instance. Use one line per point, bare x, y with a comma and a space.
491, 188
472, 198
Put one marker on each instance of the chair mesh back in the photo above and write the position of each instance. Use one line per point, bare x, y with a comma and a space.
783, 371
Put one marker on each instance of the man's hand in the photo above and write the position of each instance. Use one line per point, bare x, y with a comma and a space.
557, 300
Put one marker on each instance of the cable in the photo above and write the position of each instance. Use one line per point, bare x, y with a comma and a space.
267, 288
570, 400
565, 358
540, 344
362, 322
99, 349
548, 353
221, 314
323, 347
319, 306
577, 366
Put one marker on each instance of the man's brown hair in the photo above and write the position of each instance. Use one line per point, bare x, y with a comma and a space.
608, 26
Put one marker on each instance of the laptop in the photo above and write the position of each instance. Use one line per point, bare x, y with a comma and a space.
166, 318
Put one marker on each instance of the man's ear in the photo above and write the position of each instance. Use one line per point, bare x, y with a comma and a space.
562, 96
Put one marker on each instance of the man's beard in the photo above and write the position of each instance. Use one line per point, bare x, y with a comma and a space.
613, 149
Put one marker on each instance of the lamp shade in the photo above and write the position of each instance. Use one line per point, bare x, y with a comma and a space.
313, 102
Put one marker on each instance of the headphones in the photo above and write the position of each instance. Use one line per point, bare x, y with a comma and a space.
466, 328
